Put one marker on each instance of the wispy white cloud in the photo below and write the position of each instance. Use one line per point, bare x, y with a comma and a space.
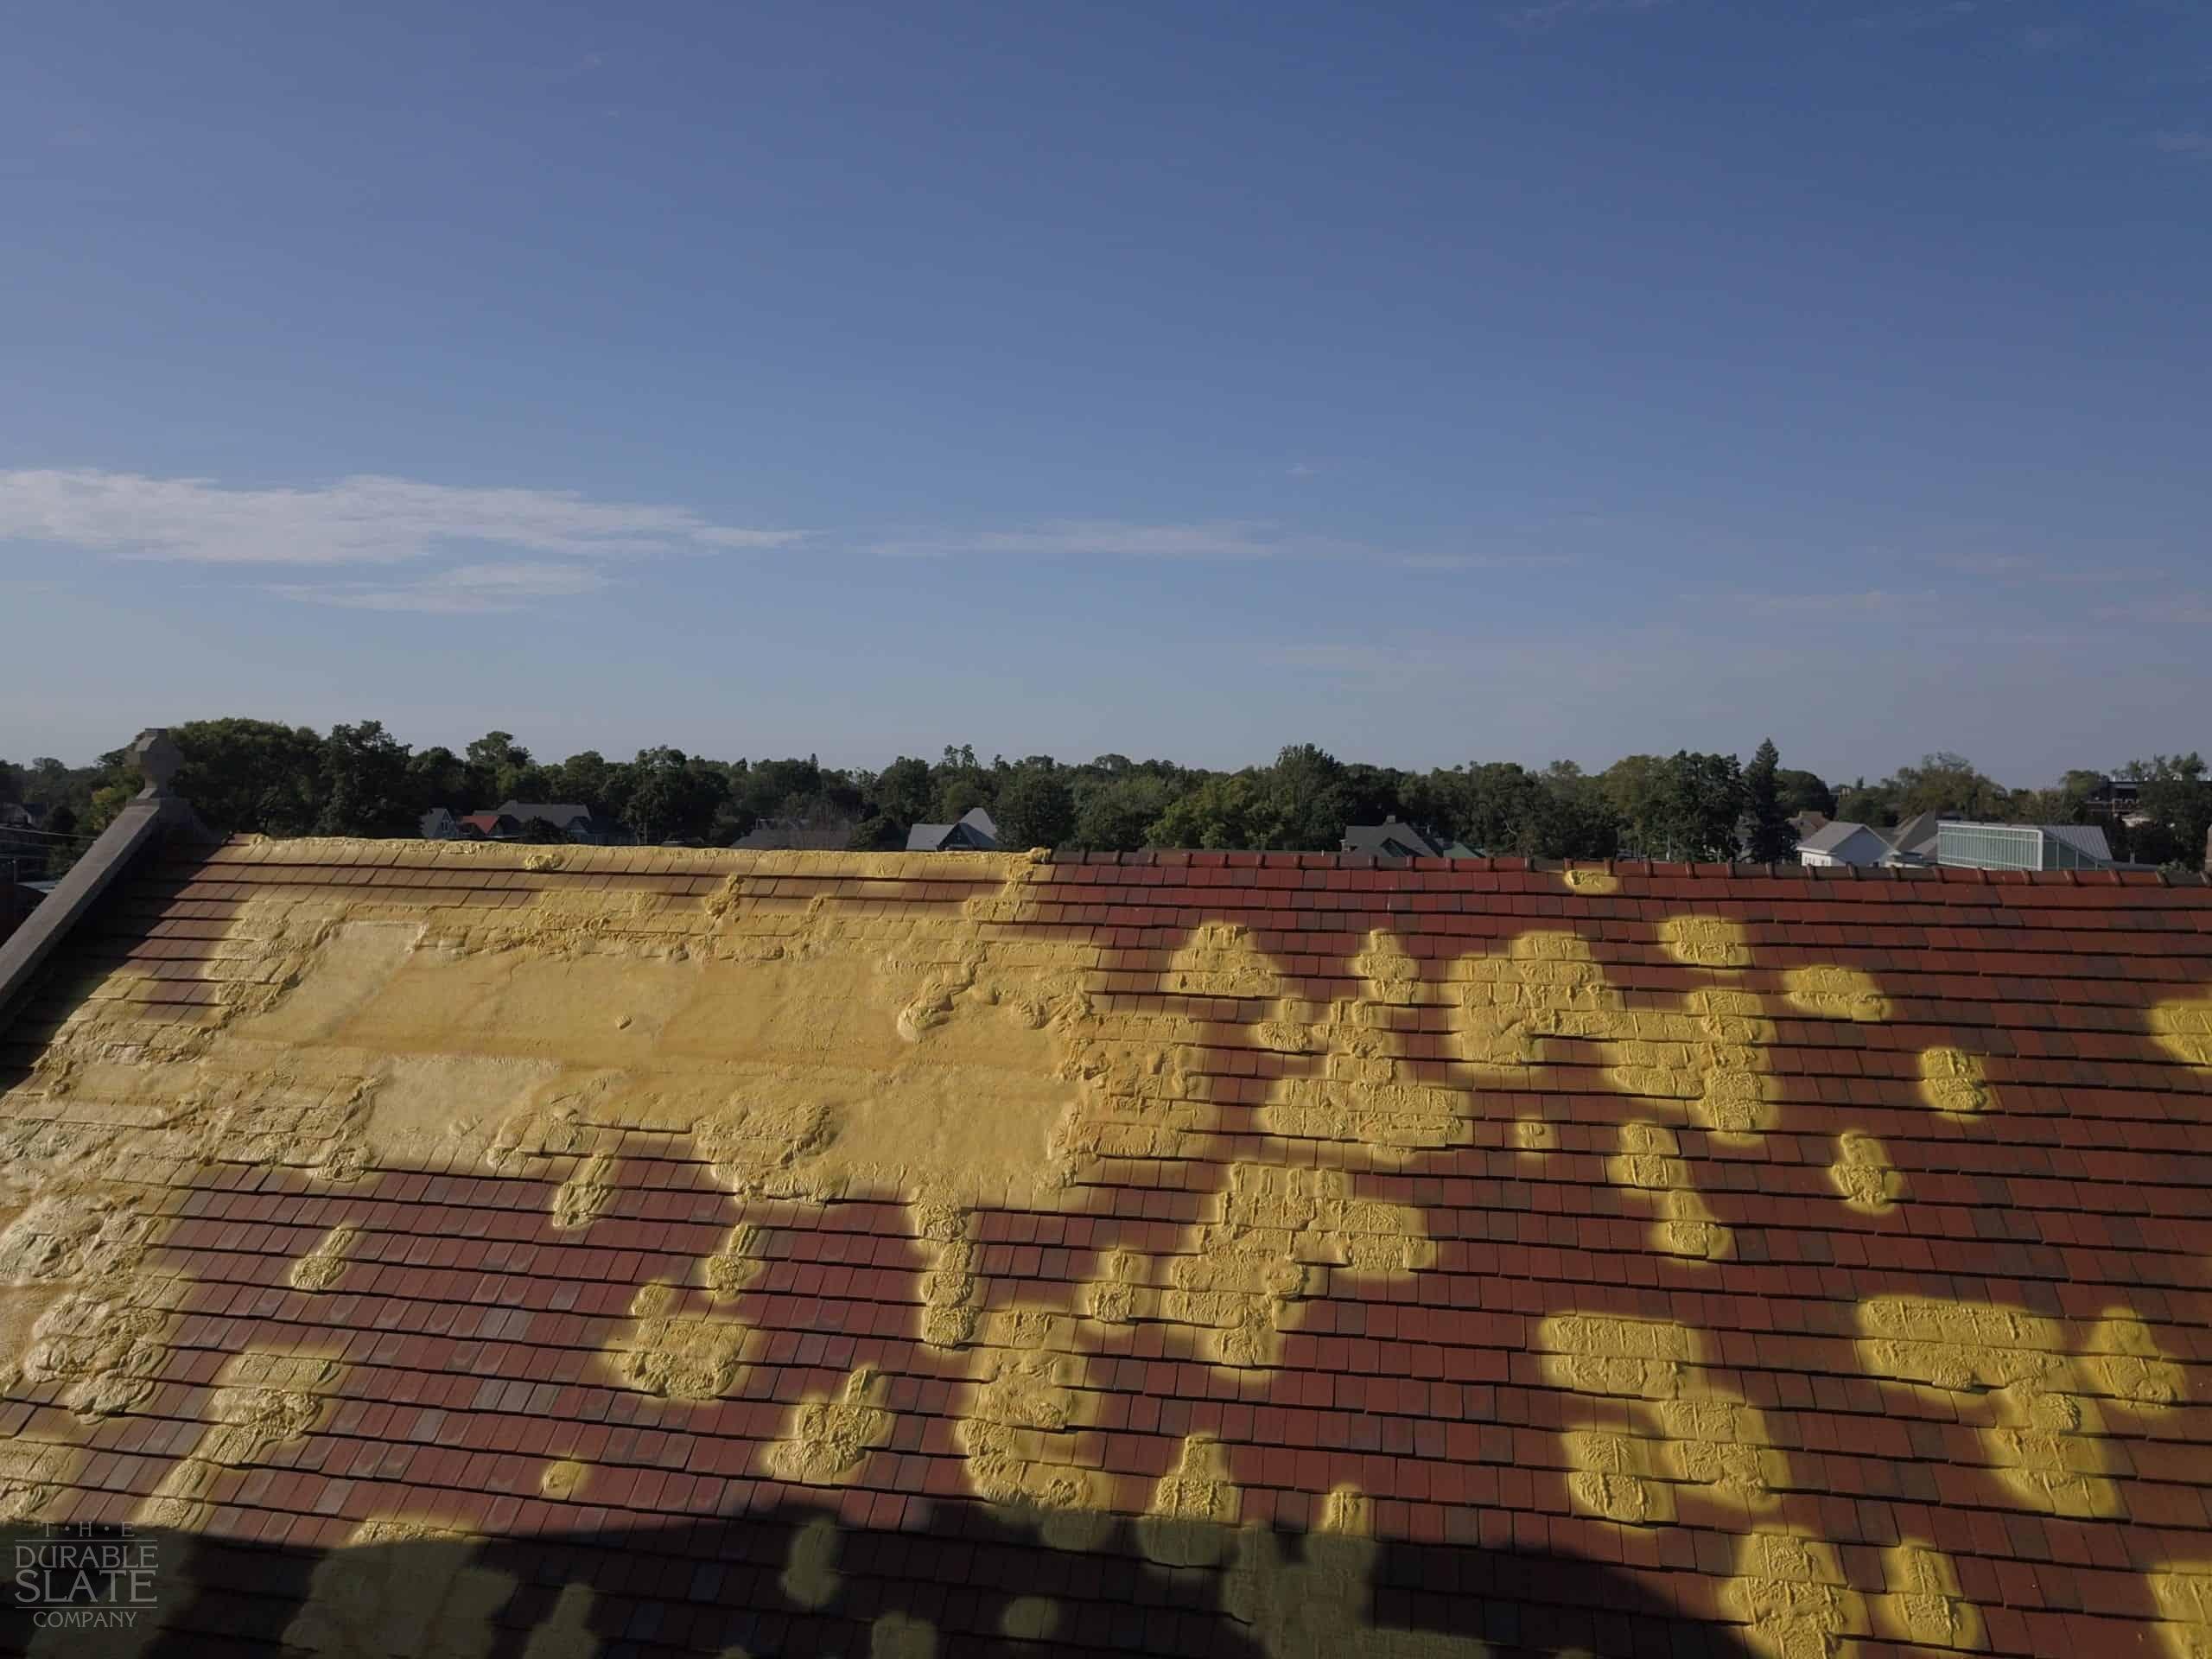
1447, 562
1916, 19
1230, 539
1095, 538
1869, 599
2193, 141
463, 590
1355, 659
1545, 14
2188, 611
1997, 565
2021, 568
360, 520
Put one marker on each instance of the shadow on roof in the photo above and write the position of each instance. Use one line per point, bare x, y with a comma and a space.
797, 1585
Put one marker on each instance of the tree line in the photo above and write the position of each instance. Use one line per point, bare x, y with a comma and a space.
257, 776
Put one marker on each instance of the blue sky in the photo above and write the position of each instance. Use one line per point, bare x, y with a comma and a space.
1477, 381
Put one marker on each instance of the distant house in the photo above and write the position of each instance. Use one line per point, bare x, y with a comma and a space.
1844, 842
487, 826
16, 815
797, 835
1935, 838
1913, 842
1808, 824
2118, 799
439, 824
574, 823
1841, 841
1394, 838
975, 832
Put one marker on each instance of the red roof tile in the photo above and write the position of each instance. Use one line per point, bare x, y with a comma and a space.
462, 1241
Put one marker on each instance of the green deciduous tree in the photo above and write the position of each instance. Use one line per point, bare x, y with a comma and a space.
1803, 791
1943, 782
1307, 802
1684, 806
1584, 824
2176, 804
670, 797
254, 775
960, 785
1505, 810
1117, 817
366, 784
1035, 808
902, 792
438, 777
496, 766
1633, 787
1707, 796
1231, 810
1367, 794
587, 778
1860, 802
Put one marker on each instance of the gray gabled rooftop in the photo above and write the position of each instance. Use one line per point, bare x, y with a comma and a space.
975, 831
1392, 838
1915, 837
561, 814
1832, 834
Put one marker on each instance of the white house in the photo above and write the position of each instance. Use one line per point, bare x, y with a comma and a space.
1843, 842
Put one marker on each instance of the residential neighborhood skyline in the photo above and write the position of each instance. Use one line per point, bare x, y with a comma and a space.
254, 776
22, 747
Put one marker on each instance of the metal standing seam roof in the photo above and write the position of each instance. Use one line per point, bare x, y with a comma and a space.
496, 1251
2082, 837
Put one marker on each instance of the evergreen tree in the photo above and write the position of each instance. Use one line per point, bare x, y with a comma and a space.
1767, 838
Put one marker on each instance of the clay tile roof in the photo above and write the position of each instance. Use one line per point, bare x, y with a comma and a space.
649, 1251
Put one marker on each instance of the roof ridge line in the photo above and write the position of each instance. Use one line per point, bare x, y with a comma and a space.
411, 852
1733, 870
